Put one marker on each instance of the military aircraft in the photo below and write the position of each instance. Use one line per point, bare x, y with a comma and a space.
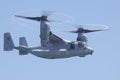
52, 46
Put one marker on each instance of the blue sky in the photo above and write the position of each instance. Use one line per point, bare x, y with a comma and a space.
104, 64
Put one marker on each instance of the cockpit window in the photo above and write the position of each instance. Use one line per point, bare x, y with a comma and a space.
81, 44
72, 46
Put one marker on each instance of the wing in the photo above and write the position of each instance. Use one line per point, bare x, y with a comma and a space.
53, 39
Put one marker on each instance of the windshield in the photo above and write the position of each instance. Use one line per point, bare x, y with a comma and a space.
81, 44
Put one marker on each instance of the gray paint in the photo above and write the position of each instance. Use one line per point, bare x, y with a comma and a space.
52, 46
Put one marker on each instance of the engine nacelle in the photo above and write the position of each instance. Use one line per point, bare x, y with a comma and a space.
82, 37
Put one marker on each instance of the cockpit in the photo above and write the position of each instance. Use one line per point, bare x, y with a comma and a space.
82, 44
78, 44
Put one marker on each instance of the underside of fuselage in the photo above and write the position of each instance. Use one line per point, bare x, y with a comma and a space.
57, 54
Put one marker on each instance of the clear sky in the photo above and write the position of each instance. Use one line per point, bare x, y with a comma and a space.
104, 64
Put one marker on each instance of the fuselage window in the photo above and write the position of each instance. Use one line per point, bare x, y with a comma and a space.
72, 46
80, 45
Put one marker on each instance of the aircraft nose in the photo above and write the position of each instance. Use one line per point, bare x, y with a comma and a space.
90, 50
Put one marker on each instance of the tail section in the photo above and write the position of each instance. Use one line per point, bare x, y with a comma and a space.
8, 42
23, 43
9, 45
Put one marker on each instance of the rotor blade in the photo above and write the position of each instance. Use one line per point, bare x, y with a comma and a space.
71, 31
82, 30
31, 18
87, 31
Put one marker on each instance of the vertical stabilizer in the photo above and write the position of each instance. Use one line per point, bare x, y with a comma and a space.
22, 41
8, 42
23, 44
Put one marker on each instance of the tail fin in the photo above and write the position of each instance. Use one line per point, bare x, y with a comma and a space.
23, 42
8, 42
